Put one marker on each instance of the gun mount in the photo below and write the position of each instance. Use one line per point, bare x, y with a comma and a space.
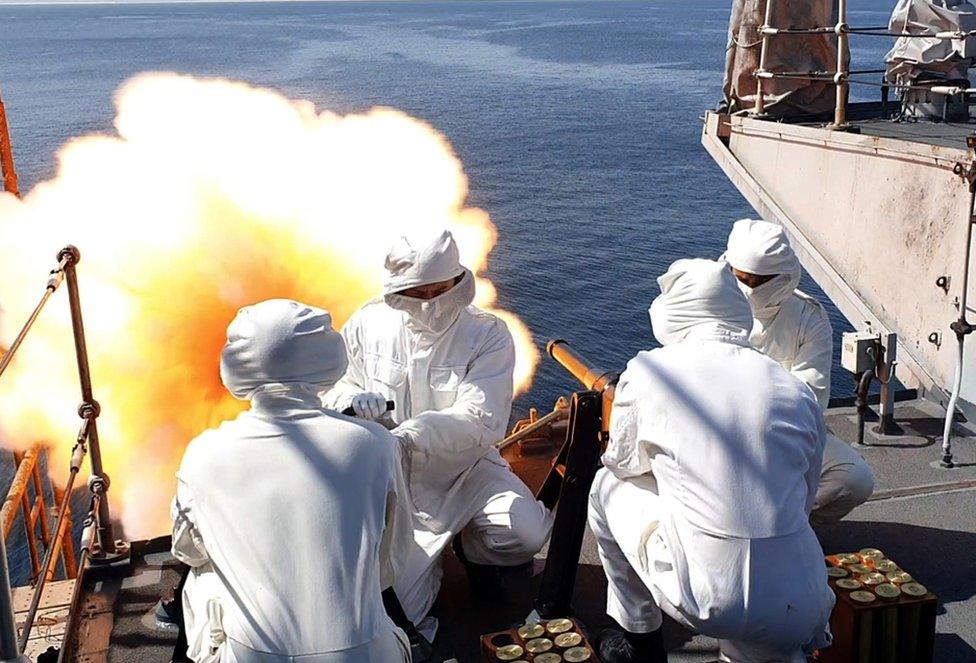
567, 486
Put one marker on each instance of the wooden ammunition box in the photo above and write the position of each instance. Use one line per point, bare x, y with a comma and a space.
491, 643
898, 630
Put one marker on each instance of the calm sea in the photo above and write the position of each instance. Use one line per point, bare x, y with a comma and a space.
578, 123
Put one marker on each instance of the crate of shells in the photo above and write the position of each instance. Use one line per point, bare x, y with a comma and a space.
553, 641
882, 613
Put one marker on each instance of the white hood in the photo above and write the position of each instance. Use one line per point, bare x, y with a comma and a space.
762, 248
412, 263
281, 342
696, 292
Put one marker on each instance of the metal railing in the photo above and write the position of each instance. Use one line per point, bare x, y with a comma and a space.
98, 542
843, 76
36, 516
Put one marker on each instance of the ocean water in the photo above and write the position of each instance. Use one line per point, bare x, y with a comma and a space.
577, 122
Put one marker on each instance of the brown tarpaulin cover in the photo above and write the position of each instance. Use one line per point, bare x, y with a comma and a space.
793, 53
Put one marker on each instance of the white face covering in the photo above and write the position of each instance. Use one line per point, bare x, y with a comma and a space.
762, 248
422, 261
438, 314
766, 299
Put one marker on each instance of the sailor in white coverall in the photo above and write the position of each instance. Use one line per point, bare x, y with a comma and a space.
702, 508
792, 328
448, 367
287, 514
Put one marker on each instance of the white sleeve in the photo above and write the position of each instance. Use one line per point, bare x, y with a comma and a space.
814, 355
623, 456
479, 415
187, 543
398, 533
353, 382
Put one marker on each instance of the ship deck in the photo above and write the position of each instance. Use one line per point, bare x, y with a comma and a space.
921, 515
875, 119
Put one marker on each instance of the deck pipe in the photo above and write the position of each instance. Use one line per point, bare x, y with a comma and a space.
961, 328
861, 402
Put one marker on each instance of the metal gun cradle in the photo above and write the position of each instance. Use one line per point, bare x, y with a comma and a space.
567, 485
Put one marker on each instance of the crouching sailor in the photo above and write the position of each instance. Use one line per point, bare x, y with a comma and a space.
286, 515
711, 470
448, 367
792, 328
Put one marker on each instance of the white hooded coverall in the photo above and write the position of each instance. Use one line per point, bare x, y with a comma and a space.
447, 366
792, 328
702, 506
286, 515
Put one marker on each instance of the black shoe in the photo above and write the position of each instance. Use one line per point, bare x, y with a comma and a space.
485, 580
617, 646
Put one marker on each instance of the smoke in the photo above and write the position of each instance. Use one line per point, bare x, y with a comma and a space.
213, 195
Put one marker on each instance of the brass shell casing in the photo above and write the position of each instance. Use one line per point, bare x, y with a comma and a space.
863, 597
566, 640
914, 589
885, 566
550, 657
871, 579
577, 654
887, 591
899, 577
531, 631
509, 653
559, 626
538, 646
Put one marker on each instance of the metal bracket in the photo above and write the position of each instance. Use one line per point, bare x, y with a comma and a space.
962, 327
966, 171
935, 338
943, 283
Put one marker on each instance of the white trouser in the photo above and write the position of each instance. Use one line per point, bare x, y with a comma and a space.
500, 521
634, 556
203, 594
846, 481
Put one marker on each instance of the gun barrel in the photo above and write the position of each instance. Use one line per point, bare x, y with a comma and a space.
589, 375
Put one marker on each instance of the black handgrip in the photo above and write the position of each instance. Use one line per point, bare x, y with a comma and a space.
349, 412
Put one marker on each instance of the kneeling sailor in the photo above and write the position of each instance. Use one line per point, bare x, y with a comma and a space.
286, 515
708, 480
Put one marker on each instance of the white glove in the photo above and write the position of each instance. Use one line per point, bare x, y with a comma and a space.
369, 405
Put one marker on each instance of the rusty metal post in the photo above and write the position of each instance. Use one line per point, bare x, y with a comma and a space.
40, 504
760, 108
67, 543
31, 534
19, 484
7, 155
842, 74
106, 548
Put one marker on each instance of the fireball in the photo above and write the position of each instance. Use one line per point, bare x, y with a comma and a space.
213, 195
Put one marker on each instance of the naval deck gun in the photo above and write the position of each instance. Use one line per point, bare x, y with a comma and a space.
567, 485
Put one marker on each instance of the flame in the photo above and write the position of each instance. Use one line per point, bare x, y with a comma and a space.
213, 195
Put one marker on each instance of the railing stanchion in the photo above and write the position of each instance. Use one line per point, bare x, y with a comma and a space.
106, 549
840, 78
760, 108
